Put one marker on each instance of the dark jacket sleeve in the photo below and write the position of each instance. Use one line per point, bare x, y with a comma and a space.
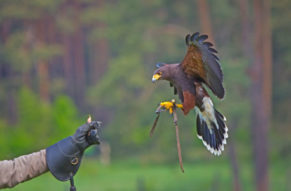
13, 172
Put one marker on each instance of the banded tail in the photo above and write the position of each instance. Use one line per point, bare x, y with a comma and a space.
211, 127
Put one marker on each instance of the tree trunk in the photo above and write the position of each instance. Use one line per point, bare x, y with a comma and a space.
42, 68
79, 66
79, 58
260, 116
11, 99
267, 56
4, 30
245, 29
233, 159
68, 64
42, 65
205, 20
54, 63
101, 53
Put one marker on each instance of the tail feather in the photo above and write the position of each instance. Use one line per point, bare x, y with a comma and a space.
221, 122
212, 133
218, 138
199, 127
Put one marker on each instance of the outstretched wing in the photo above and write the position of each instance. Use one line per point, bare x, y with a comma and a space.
201, 62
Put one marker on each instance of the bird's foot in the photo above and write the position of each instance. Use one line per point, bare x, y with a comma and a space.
170, 105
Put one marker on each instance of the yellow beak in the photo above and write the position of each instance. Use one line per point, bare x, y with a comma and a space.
156, 77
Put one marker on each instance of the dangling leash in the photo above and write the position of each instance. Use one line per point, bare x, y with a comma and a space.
72, 187
175, 120
158, 111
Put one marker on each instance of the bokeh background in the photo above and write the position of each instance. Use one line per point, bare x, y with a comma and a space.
61, 60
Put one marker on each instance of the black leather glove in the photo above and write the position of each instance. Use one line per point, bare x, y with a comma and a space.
64, 158
87, 135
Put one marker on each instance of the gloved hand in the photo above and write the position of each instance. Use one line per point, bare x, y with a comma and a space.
87, 134
64, 158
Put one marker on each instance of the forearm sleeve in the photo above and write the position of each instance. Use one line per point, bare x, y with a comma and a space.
13, 172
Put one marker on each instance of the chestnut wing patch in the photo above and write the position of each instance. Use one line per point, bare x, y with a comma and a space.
189, 101
193, 64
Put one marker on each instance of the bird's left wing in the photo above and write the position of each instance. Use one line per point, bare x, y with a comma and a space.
201, 62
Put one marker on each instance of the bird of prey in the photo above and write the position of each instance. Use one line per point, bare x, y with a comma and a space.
200, 67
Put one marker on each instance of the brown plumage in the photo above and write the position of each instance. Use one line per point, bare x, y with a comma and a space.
193, 64
199, 66
189, 101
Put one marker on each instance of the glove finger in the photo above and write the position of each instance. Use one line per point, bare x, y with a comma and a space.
94, 124
81, 132
93, 138
85, 128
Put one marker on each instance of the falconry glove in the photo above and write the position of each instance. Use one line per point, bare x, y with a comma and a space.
64, 158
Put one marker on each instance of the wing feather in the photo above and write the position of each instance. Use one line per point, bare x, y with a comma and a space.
202, 62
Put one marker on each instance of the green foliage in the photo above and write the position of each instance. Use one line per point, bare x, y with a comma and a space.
39, 124
14, 9
15, 54
282, 66
65, 118
4, 150
34, 120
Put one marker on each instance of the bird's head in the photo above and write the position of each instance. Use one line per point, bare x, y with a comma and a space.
162, 73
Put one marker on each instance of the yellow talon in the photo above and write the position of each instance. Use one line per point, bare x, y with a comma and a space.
168, 105
171, 110
179, 106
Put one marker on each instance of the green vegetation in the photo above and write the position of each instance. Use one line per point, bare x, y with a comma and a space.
123, 175
37, 118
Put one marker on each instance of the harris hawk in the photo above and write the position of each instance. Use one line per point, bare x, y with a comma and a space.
200, 66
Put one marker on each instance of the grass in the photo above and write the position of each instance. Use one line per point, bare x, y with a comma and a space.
124, 175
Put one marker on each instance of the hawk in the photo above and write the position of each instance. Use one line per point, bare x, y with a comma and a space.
200, 67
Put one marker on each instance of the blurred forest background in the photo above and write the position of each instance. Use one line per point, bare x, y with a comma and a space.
61, 60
